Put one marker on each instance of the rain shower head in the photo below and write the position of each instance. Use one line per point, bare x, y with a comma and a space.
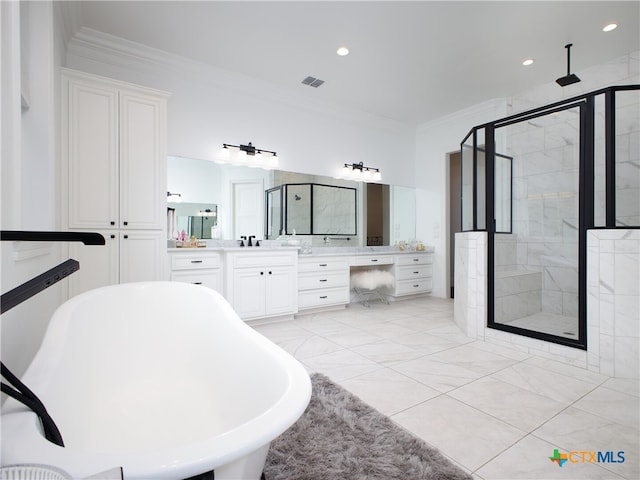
569, 78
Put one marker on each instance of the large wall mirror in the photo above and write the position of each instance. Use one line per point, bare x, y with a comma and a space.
372, 214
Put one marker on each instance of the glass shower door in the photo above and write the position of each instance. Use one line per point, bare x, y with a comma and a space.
536, 263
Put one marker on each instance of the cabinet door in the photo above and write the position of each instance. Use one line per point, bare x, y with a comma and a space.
141, 255
92, 155
249, 292
98, 264
281, 290
142, 161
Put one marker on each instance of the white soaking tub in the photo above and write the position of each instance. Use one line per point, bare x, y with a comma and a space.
162, 379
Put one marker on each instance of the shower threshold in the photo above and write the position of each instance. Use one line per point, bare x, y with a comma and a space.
559, 325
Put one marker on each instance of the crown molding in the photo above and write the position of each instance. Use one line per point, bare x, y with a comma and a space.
68, 17
118, 52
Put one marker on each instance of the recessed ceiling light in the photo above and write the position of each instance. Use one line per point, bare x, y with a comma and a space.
611, 26
528, 61
342, 51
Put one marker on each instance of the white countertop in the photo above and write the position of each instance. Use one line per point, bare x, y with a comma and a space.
228, 246
389, 250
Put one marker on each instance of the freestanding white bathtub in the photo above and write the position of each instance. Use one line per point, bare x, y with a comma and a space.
162, 379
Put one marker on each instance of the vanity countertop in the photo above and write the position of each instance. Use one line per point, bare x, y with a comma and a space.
351, 251
230, 249
315, 251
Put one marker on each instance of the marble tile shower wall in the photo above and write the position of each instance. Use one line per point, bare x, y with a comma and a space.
624, 70
545, 155
545, 176
613, 303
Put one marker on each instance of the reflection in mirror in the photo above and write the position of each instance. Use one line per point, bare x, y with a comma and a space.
198, 219
296, 209
210, 183
311, 209
274, 213
334, 210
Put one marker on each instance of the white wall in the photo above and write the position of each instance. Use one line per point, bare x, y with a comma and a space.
434, 141
28, 169
209, 107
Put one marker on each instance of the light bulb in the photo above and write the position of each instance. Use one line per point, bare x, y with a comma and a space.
258, 160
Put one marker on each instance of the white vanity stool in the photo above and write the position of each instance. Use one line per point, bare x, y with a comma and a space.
368, 284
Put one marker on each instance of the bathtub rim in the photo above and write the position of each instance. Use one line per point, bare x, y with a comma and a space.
186, 460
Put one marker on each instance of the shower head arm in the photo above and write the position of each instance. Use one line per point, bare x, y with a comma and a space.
568, 47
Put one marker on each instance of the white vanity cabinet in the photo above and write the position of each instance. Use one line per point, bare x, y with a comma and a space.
201, 268
413, 273
262, 283
113, 177
322, 281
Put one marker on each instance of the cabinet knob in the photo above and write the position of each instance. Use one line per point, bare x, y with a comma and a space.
125, 223
197, 283
112, 223
374, 259
323, 296
416, 273
126, 236
113, 236
416, 286
269, 272
323, 265
322, 280
416, 259
196, 261
261, 273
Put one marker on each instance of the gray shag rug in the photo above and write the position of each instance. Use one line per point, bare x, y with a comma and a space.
340, 437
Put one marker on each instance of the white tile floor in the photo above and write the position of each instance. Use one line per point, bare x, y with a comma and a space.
496, 412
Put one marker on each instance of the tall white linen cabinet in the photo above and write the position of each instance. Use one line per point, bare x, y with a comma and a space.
113, 178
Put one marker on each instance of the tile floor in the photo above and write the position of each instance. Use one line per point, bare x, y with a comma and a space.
496, 412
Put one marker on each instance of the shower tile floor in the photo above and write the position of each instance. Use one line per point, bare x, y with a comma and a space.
497, 413
559, 325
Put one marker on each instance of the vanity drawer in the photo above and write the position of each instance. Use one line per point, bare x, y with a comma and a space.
414, 271
319, 298
362, 260
420, 285
260, 259
323, 264
207, 278
194, 261
329, 279
419, 259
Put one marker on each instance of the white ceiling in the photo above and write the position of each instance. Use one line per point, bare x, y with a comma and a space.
411, 61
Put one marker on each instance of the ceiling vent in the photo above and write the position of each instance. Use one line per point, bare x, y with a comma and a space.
313, 82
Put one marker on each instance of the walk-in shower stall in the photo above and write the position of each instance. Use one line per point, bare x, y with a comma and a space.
536, 182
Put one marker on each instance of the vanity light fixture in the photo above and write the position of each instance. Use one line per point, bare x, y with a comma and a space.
247, 155
359, 172
174, 197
